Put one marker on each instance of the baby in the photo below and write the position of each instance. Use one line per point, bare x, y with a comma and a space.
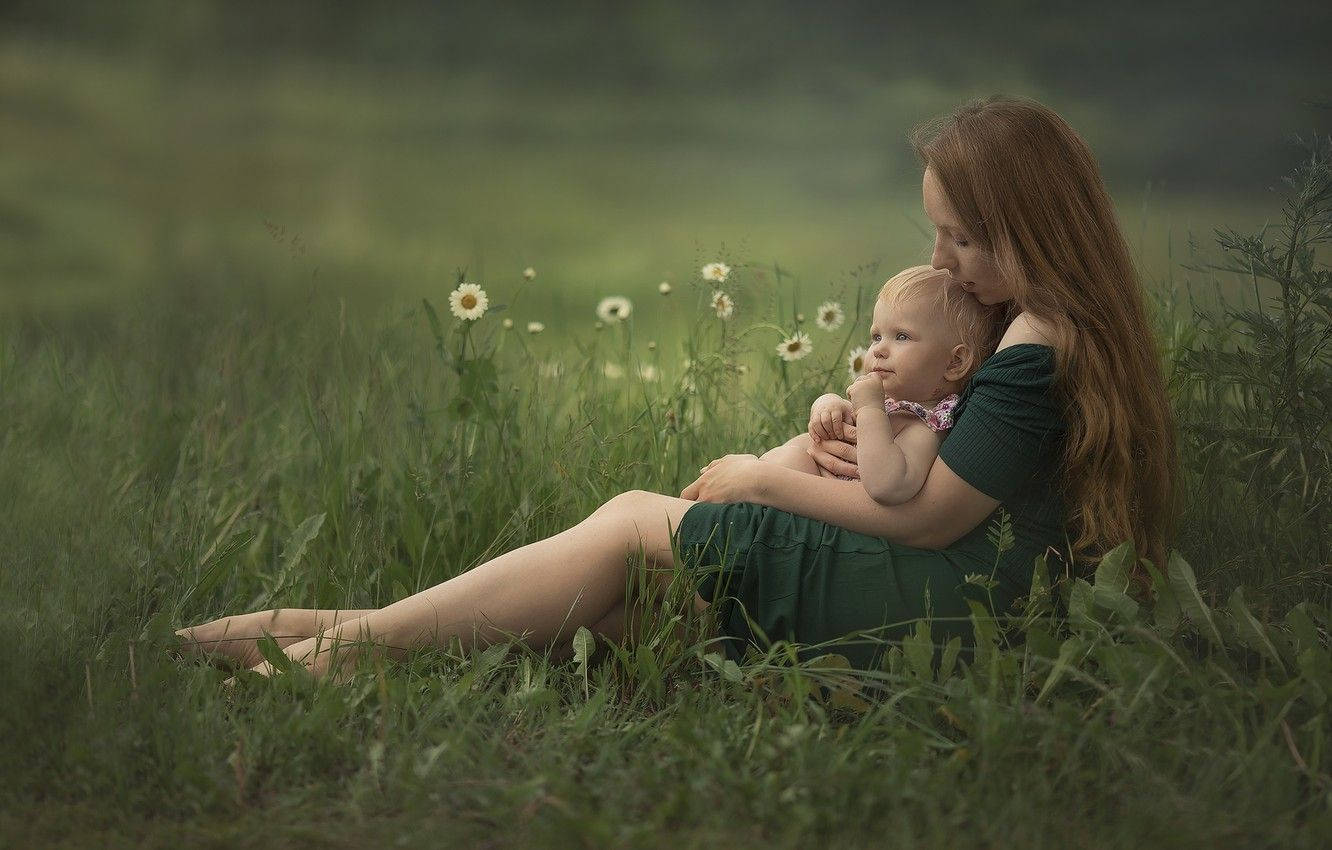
926, 340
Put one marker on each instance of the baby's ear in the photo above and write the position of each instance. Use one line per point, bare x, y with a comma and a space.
960, 363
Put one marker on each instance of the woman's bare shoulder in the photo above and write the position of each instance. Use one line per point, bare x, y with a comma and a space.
1028, 328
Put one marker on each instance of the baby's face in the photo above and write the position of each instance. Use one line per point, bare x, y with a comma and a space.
911, 346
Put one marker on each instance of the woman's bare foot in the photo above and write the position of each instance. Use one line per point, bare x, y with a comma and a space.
234, 641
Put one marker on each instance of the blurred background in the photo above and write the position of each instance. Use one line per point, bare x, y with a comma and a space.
206, 151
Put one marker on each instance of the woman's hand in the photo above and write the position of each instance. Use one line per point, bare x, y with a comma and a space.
838, 456
734, 478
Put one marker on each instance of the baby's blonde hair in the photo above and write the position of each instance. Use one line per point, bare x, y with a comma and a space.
977, 326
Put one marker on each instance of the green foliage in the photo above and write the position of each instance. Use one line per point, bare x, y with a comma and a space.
1254, 395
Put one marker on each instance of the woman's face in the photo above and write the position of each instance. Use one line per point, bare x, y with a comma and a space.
955, 251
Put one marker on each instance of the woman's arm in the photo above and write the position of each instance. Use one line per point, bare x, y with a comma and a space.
893, 468
945, 508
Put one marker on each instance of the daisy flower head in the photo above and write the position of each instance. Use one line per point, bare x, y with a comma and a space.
795, 346
529, 273
830, 316
614, 371
468, 302
855, 362
723, 304
664, 288
716, 272
614, 309
535, 327
648, 373
507, 323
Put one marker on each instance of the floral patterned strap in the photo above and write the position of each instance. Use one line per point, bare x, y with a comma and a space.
939, 418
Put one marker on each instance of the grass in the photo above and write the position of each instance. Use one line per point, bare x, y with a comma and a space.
203, 414
169, 472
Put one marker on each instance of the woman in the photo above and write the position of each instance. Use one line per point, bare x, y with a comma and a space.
1064, 434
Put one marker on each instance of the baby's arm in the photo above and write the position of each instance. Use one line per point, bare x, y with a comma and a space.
893, 469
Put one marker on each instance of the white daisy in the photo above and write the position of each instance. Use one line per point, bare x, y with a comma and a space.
614, 309
795, 346
613, 371
529, 273
716, 272
648, 373
830, 316
855, 362
535, 327
723, 304
468, 302
664, 288
507, 323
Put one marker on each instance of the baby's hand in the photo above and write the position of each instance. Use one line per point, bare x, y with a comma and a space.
829, 417
866, 391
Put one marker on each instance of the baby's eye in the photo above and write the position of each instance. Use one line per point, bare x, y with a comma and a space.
874, 337
902, 337
962, 243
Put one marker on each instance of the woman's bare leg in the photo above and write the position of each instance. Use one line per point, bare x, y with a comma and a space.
234, 640
541, 592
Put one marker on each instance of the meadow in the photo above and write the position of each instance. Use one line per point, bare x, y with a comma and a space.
230, 380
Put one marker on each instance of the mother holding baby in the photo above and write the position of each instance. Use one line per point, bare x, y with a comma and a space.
1065, 430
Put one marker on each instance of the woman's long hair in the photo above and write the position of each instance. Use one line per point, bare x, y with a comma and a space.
1027, 188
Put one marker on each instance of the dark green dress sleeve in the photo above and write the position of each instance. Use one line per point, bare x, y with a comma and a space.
1008, 422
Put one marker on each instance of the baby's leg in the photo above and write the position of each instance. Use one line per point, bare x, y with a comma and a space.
794, 454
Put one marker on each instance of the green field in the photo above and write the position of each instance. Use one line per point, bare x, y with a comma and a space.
220, 390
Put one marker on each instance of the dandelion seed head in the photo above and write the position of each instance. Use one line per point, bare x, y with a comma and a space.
616, 308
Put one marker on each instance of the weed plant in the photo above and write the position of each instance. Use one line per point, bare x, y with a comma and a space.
182, 465
1253, 391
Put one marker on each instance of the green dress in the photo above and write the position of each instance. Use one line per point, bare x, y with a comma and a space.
773, 574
